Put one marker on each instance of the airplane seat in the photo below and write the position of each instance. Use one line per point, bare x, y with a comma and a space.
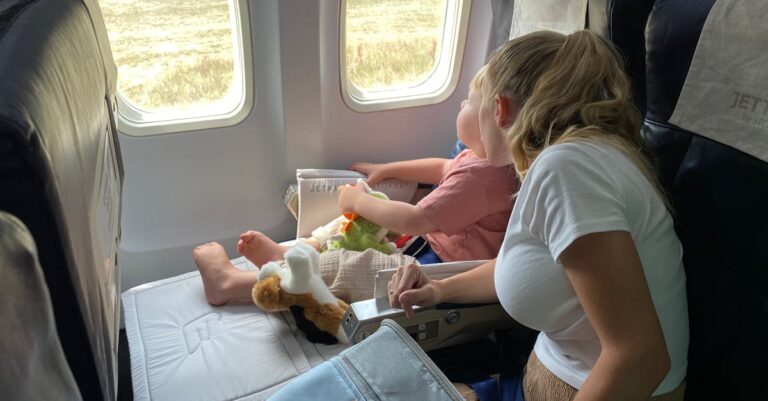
623, 23
34, 367
61, 173
670, 47
718, 196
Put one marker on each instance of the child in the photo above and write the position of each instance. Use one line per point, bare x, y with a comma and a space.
464, 218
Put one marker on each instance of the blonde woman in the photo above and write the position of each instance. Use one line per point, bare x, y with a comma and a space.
590, 257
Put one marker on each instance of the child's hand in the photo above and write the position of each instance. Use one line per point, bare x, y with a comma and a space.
349, 195
375, 172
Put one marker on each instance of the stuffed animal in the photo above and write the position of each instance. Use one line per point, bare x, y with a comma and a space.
356, 233
299, 288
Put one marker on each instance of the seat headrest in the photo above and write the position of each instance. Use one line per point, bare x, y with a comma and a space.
671, 36
623, 23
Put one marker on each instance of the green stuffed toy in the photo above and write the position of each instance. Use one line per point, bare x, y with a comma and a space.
356, 233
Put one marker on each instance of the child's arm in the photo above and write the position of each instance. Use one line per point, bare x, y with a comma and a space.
396, 216
428, 171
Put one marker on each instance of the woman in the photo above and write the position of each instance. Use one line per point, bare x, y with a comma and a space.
590, 257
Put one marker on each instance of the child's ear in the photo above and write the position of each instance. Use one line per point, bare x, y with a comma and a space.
502, 110
506, 110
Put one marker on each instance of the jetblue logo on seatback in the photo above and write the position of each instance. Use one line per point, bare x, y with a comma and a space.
323, 187
755, 108
330, 186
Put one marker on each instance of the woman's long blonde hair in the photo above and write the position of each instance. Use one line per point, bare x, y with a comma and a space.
569, 88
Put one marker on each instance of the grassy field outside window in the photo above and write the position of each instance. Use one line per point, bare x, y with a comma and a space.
393, 44
177, 55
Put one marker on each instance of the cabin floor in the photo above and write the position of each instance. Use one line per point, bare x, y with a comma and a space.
124, 385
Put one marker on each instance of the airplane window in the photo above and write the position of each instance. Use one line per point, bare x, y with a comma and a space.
399, 53
393, 45
177, 60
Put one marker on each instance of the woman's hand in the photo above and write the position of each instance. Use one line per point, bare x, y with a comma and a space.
375, 172
349, 196
410, 286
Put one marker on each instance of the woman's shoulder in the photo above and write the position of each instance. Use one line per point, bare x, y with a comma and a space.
579, 149
576, 155
578, 164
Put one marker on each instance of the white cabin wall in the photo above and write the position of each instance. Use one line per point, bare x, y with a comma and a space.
401, 134
209, 185
188, 188
302, 96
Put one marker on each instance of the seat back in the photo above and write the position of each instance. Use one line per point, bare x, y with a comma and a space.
623, 23
719, 196
60, 171
34, 366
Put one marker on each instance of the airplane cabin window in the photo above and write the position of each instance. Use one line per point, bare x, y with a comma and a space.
400, 53
182, 64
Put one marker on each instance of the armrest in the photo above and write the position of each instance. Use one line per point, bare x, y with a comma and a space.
433, 327
435, 271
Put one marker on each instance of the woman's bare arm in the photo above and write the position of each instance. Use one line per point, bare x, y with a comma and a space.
606, 272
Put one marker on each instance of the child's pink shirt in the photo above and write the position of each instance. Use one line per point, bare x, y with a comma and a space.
470, 208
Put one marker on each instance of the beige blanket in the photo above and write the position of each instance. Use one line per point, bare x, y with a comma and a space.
351, 274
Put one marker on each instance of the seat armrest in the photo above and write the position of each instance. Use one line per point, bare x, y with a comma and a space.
432, 327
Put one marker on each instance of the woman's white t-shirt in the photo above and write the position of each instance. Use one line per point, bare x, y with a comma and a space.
571, 190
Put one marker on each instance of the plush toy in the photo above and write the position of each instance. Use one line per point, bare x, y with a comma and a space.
354, 232
299, 288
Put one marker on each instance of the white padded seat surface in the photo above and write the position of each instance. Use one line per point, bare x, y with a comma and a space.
182, 348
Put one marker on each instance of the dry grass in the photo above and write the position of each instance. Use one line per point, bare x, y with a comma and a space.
177, 54
179, 58
394, 42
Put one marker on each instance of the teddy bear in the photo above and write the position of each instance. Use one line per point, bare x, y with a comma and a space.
297, 286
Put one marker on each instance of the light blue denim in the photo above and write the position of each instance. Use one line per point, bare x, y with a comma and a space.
388, 365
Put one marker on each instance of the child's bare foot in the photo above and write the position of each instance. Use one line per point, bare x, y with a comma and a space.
216, 271
259, 249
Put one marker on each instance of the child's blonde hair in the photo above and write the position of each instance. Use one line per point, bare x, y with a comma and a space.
569, 88
476, 83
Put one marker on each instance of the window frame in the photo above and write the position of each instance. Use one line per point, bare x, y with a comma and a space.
432, 90
135, 122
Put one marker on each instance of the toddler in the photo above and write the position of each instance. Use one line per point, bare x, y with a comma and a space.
464, 218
